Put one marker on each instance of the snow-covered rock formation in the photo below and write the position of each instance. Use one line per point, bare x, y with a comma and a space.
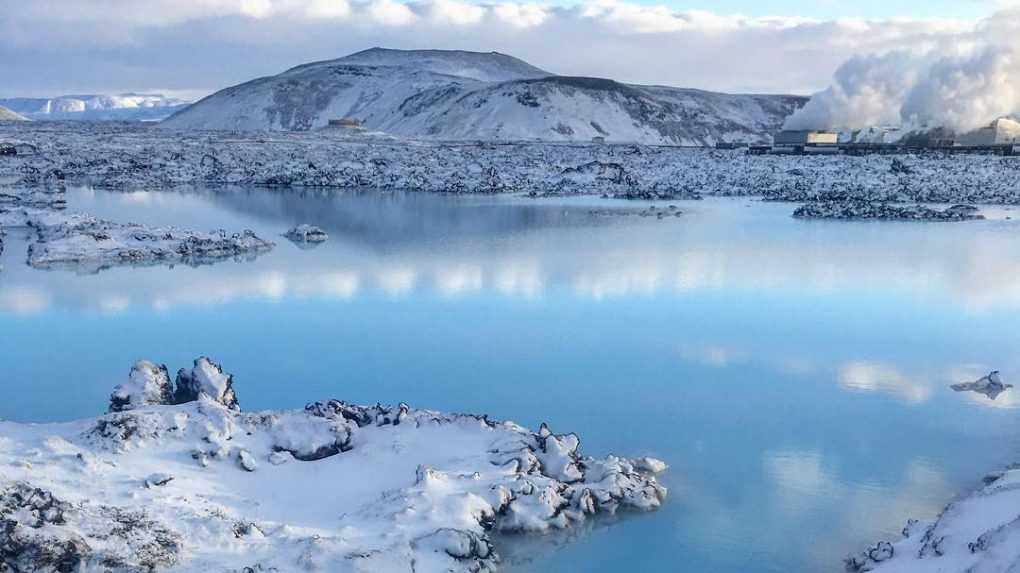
852, 209
305, 233
86, 243
990, 385
979, 533
122, 107
200, 486
455, 95
8, 115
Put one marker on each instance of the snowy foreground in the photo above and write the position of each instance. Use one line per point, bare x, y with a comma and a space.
144, 157
177, 478
979, 533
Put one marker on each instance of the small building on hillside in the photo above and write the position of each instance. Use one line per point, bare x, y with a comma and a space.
347, 122
802, 138
598, 140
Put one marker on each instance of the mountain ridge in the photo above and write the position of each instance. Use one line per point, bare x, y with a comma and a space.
456, 94
124, 106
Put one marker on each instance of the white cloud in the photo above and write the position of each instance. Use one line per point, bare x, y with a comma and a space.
329, 9
872, 377
456, 12
391, 13
52, 46
521, 15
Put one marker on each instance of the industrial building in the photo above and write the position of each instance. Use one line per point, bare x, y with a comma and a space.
1000, 132
348, 122
802, 141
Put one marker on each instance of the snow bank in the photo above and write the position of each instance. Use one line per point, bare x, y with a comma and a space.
978, 533
202, 486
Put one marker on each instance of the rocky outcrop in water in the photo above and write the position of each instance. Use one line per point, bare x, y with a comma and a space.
990, 385
198, 484
83, 242
858, 209
305, 233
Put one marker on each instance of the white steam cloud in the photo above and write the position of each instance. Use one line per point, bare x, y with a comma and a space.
977, 82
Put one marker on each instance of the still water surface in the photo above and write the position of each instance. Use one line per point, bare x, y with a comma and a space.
794, 374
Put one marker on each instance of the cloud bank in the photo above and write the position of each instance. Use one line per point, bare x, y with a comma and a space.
51, 47
963, 83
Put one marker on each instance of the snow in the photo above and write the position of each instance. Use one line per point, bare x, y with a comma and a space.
455, 95
8, 115
84, 243
978, 533
128, 156
184, 487
305, 233
990, 385
865, 209
124, 107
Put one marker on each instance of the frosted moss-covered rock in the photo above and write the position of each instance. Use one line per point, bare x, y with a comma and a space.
206, 378
979, 533
306, 234
990, 385
148, 384
44, 534
863, 209
348, 488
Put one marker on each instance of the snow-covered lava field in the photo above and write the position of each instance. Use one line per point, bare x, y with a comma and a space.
126, 156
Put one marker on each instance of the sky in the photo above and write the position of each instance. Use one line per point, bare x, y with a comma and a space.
193, 47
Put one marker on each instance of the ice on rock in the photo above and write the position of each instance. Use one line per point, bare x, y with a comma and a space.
84, 242
856, 208
651, 465
148, 384
158, 480
206, 377
990, 385
347, 488
246, 461
306, 234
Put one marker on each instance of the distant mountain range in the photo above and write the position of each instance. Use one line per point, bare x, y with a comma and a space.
460, 95
8, 115
125, 107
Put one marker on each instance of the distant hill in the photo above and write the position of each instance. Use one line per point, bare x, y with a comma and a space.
124, 107
8, 115
470, 95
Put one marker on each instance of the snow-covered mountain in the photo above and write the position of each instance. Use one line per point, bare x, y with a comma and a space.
8, 115
125, 107
470, 95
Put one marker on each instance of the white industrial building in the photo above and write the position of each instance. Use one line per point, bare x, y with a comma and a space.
1002, 131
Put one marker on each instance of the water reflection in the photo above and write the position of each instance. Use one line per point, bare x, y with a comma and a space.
794, 374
